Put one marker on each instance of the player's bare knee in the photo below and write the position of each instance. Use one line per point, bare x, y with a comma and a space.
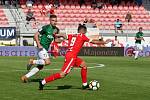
63, 74
47, 62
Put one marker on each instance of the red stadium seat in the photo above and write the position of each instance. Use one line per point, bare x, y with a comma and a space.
67, 7
88, 7
131, 8
23, 6
34, 6
72, 7
83, 7
61, 7
141, 8
40, 6
77, 7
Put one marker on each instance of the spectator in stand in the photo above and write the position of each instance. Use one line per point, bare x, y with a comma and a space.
85, 21
90, 24
101, 39
115, 42
94, 4
56, 3
30, 16
118, 26
47, 10
100, 5
43, 11
81, 2
29, 3
128, 17
50, 11
139, 2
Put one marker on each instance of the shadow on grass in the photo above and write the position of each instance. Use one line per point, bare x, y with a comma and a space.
64, 87
48, 87
35, 80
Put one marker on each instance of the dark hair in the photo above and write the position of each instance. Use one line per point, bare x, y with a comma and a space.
140, 28
82, 27
53, 16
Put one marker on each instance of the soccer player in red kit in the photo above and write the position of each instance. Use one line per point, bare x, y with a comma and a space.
75, 43
55, 49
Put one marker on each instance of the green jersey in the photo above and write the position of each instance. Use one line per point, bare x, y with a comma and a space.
139, 35
46, 36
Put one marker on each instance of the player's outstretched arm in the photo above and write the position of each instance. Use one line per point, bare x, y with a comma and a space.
36, 38
61, 35
96, 41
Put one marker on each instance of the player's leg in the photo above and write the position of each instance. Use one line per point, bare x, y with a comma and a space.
80, 63
65, 70
55, 55
31, 73
137, 50
43, 60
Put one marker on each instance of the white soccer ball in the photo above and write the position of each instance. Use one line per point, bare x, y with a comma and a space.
94, 85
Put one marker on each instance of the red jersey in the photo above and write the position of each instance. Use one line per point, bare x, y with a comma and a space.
75, 43
55, 46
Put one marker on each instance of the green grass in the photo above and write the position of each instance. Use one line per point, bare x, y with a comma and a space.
121, 78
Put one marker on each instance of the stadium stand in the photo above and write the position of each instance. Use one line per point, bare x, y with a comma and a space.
3, 19
71, 14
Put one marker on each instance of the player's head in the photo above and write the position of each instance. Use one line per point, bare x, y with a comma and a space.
53, 20
118, 20
140, 29
115, 37
82, 29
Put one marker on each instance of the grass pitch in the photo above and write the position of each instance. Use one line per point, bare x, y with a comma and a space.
121, 78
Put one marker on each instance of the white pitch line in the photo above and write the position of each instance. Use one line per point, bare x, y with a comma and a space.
97, 66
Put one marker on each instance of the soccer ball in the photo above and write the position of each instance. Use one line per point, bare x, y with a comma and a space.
94, 85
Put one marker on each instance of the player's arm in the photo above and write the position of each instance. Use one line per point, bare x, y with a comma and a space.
97, 41
61, 35
36, 38
59, 40
141, 38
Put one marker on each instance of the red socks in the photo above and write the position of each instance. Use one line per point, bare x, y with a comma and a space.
52, 77
84, 75
57, 76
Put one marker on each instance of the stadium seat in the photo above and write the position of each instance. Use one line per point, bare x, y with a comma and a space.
72, 7
40, 6
77, 7
67, 7
71, 13
23, 6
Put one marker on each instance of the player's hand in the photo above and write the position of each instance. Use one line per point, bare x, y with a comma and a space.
108, 40
40, 47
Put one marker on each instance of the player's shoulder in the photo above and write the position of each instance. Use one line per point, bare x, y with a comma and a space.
44, 27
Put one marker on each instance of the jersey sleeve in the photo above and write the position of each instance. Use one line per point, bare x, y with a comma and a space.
41, 30
69, 36
136, 35
86, 38
142, 34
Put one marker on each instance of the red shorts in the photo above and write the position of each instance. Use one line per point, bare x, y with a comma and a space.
71, 62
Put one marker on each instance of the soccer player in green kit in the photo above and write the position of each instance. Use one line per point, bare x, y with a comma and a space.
138, 45
43, 39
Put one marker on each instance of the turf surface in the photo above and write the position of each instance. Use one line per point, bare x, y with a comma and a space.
121, 78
